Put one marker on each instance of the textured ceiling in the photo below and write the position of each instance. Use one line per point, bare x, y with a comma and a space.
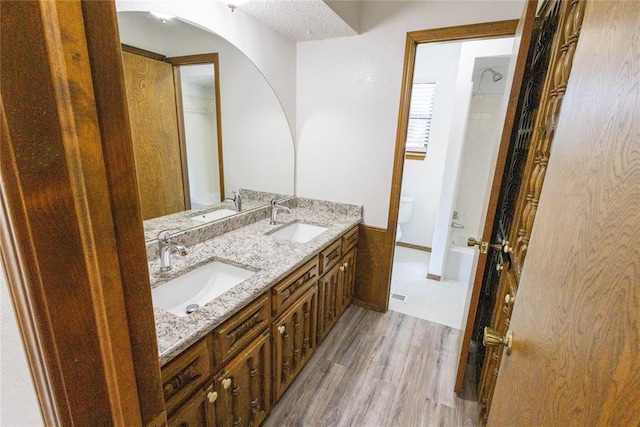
298, 20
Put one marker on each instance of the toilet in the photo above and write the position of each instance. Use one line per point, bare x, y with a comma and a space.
404, 213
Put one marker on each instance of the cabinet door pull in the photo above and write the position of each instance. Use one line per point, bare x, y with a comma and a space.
281, 329
226, 383
212, 396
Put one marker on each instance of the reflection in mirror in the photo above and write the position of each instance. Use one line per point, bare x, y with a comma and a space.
254, 140
200, 134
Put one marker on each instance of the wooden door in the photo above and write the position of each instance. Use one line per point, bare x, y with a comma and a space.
557, 34
576, 319
243, 387
294, 340
346, 280
193, 413
154, 129
506, 169
327, 295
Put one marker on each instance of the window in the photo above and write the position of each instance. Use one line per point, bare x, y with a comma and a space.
420, 112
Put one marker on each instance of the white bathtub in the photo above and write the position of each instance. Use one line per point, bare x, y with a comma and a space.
460, 260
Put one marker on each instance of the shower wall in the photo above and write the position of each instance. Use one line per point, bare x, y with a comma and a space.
482, 138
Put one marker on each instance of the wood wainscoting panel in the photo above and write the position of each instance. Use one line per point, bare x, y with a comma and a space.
374, 269
154, 127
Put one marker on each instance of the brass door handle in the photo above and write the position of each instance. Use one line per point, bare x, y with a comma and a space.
212, 396
483, 246
226, 383
492, 338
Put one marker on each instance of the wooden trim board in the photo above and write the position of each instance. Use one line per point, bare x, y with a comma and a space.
412, 246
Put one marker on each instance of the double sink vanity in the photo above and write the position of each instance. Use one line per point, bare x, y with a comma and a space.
239, 316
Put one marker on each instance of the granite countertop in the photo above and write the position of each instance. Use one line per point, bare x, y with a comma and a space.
250, 247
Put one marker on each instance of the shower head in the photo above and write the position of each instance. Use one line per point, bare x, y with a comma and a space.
496, 75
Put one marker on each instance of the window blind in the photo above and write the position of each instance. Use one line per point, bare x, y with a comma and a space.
420, 113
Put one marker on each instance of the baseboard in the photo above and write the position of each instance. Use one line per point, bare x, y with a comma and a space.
368, 306
434, 277
412, 246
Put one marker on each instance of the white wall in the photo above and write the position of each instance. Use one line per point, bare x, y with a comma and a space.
476, 168
18, 403
435, 62
348, 97
271, 52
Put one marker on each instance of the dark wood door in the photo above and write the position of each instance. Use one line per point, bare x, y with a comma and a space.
193, 413
576, 318
557, 35
294, 340
346, 280
524, 41
328, 300
243, 387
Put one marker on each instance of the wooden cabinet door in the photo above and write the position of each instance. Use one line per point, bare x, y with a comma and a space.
327, 298
346, 281
243, 387
294, 340
193, 413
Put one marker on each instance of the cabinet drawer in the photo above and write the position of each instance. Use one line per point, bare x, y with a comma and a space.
290, 289
350, 239
239, 330
330, 256
185, 374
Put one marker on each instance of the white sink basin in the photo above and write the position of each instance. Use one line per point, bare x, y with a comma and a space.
299, 232
214, 215
198, 287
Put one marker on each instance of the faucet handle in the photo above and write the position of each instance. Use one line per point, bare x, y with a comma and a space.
165, 235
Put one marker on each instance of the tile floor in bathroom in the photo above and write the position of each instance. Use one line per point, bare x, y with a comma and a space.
437, 301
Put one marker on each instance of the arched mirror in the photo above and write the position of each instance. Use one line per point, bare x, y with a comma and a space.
206, 125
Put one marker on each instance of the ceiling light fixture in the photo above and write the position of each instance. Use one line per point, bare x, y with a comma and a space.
233, 4
163, 17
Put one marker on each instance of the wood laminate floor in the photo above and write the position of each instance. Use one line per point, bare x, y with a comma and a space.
378, 369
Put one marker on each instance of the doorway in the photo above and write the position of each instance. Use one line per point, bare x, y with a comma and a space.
445, 191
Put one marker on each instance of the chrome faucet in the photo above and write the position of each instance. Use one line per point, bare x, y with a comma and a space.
275, 208
237, 200
166, 246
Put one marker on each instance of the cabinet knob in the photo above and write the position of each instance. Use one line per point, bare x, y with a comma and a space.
346, 264
499, 267
509, 299
212, 396
342, 267
281, 329
226, 383
506, 248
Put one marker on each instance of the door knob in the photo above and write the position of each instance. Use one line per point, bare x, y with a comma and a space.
492, 338
281, 329
212, 396
483, 246
226, 383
